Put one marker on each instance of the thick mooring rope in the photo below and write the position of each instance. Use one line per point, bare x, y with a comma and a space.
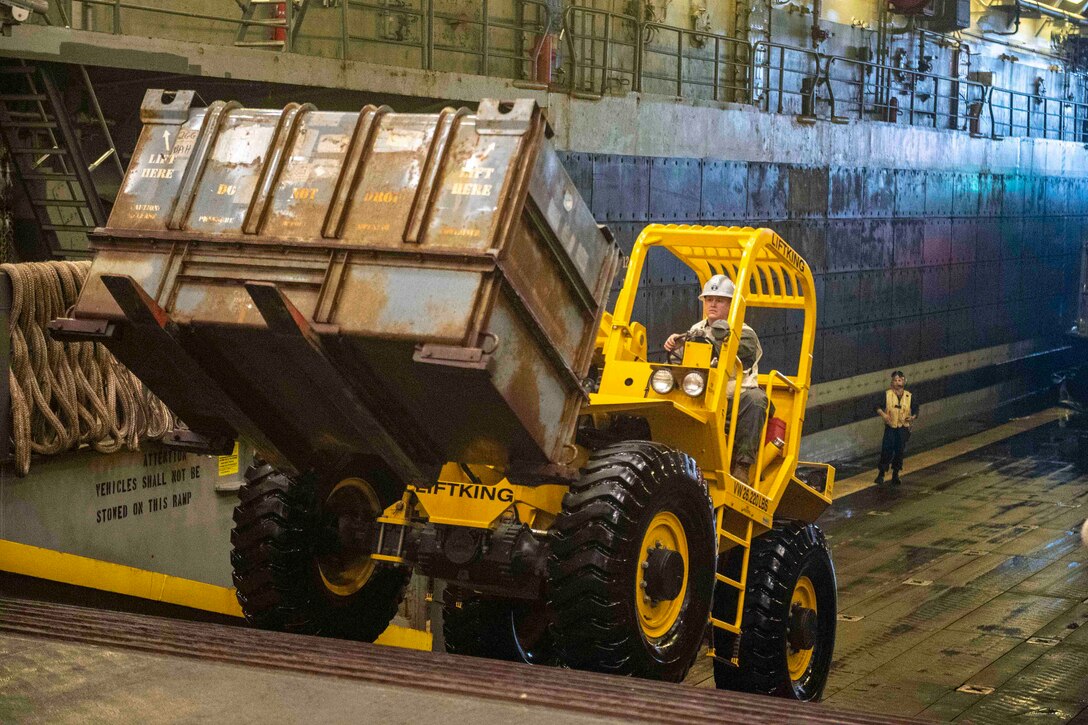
66, 395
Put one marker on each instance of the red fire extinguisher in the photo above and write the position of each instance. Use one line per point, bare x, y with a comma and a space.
279, 33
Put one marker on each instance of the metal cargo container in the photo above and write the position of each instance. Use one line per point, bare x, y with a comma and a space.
419, 287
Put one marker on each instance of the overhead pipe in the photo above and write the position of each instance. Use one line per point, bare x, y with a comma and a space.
1054, 12
819, 35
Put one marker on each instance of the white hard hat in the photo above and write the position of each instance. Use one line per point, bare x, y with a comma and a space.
718, 286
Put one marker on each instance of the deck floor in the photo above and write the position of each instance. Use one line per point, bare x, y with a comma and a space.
971, 574
963, 593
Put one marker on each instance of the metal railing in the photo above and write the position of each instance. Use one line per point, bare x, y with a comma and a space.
1015, 113
818, 85
611, 52
604, 50
694, 64
481, 44
412, 35
793, 84
607, 53
883, 92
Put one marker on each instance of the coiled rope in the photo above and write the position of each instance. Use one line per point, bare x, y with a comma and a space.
70, 394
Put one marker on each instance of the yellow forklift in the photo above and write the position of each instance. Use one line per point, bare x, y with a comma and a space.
405, 314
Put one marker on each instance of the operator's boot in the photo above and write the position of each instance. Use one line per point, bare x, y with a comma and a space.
895, 477
740, 472
879, 481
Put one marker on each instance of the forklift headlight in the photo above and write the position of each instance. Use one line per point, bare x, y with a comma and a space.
694, 384
662, 381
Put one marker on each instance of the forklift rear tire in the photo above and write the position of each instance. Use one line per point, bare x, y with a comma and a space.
631, 571
499, 629
290, 574
788, 625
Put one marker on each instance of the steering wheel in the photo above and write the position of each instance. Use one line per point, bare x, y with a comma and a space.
676, 355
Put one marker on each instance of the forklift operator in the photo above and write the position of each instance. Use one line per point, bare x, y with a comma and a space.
717, 296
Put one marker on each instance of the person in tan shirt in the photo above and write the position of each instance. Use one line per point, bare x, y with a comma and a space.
898, 409
754, 405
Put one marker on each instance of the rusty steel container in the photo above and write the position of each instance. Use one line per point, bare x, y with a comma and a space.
417, 287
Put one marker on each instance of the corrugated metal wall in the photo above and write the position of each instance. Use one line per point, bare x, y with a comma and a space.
910, 265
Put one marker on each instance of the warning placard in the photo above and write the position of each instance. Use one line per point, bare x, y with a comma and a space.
228, 465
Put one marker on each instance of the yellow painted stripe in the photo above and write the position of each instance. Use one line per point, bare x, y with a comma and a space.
82, 571
405, 638
955, 449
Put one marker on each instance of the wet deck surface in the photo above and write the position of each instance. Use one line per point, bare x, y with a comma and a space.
971, 573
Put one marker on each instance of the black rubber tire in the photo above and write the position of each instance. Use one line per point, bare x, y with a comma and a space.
481, 627
778, 560
595, 548
275, 571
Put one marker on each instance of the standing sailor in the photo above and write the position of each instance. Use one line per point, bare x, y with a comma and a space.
898, 409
